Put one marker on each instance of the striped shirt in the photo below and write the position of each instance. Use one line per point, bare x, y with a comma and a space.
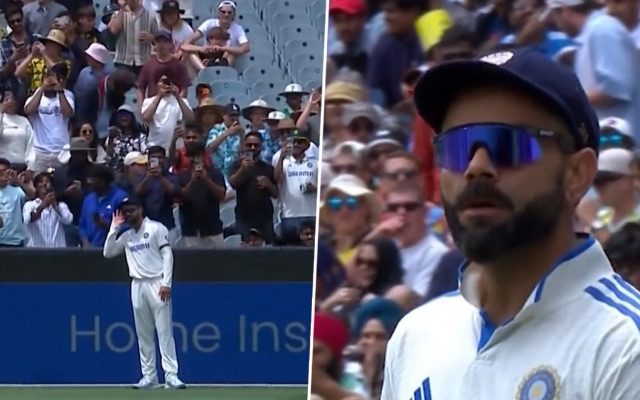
47, 231
129, 49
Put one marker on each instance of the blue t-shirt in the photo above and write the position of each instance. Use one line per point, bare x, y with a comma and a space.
105, 207
551, 43
12, 199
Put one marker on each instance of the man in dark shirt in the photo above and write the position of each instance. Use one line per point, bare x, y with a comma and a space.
255, 185
203, 187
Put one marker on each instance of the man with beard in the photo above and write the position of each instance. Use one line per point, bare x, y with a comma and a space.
539, 313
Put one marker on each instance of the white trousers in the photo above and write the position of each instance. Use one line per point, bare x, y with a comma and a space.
149, 313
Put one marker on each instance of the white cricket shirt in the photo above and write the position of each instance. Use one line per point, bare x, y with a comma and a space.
577, 337
143, 251
294, 201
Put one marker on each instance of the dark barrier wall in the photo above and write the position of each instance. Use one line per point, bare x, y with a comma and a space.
239, 317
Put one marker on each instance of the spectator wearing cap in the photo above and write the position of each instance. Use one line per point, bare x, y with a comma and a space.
203, 188
161, 63
271, 141
360, 121
238, 44
170, 20
135, 27
14, 47
157, 189
39, 15
256, 113
255, 185
164, 110
293, 94
614, 184
45, 53
106, 37
337, 95
125, 135
81, 34
348, 158
616, 133
351, 42
224, 140
16, 133
45, 217
297, 177
611, 86
134, 167
399, 43
623, 249
378, 149
50, 110
98, 206
91, 84
12, 198
210, 54
287, 128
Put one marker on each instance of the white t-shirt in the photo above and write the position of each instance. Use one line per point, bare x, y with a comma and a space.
312, 152
237, 36
16, 138
420, 261
575, 338
164, 121
293, 201
50, 127
143, 251
179, 35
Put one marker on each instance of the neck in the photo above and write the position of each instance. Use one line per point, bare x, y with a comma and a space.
138, 224
345, 240
103, 192
505, 285
164, 56
298, 157
408, 237
224, 24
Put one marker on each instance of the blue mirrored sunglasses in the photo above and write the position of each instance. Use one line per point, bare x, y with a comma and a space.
508, 146
336, 203
611, 139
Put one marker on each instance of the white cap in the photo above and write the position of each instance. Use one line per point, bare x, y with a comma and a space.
134, 157
616, 124
355, 147
349, 184
276, 116
554, 4
615, 160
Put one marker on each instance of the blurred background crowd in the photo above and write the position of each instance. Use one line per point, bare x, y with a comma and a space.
207, 111
384, 247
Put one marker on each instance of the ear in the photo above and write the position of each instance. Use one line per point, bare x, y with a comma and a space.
581, 168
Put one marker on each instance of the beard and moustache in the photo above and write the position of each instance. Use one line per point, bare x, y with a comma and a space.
485, 242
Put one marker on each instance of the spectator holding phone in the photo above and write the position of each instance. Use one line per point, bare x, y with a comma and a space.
45, 53
12, 198
134, 27
16, 134
14, 47
255, 185
125, 135
209, 55
224, 140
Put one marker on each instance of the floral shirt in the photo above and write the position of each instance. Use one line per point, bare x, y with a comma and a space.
124, 144
37, 70
270, 146
227, 153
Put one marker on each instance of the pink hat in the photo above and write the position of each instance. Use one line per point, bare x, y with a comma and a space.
98, 52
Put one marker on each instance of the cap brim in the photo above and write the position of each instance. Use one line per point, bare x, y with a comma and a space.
46, 39
286, 93
440, 86
378, 142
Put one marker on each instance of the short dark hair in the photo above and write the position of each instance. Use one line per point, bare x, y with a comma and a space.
455, 34
308, 225
406, 4
101, 172
41, 176
156, 149
5, 162
253, 134
406, 187
193, 127
12, 10
623, 247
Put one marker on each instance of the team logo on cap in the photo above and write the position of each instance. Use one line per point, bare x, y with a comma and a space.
543, 383
498, 58
146, 235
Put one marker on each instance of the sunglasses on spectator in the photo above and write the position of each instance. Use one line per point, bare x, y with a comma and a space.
344, 169
604, 177
408, 206
611, 139
376, 154
86, 131
14, 21
361, 126
509, 146
337, 203
401, 175
365, 262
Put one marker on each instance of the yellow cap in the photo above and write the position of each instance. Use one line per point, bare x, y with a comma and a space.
431, 26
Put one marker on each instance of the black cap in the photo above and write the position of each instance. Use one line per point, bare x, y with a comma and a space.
232, 109
255, 231
170, 5
129, 201
162, 34
526, 69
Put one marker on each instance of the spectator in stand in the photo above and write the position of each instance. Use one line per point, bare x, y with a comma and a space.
165, 110
224, 141
161, 63
352, 43
293, 94
400, 168
96, 155
135, 27
49, 110
187, 5
99, 205
16, 134
255, 185
91, 81
256, 113
12, 199
82, 34
157, 189
45, 217
203, 91
383, 144
45, 53
208, 114
360, 122
616, 133
126, 135
14, 48
179, 157
170, 21
308, 233
348, 158
238, 44
111, 95
287, 128
106, 37
271, 137
623, 249
40, 15
203, 187
297, 177
210, 54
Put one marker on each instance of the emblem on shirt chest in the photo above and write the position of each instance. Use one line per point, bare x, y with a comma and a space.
542, 383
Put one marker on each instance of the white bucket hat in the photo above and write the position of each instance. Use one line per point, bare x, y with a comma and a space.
293, 88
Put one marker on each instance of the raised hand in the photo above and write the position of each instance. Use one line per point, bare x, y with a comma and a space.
117, 220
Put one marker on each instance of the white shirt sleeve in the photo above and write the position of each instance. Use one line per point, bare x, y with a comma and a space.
70, 98
114, 245
65, 214
162, 241
242, 36
206, 25
28, 208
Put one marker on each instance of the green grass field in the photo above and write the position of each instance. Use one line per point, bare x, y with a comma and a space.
121, 393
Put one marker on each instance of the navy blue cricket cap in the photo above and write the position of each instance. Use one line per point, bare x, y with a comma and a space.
129, 201
526, 70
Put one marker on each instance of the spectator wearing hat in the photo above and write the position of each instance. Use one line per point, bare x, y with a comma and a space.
224, 140
161, 63
14, 47
336, 96
40, 15
378, 149
256, 113
50, 110
255, 185
238, 43
208, 114
287, 128
91, 84
203, 188
134, 167
81, 33
297, 177
99, 205
134, 28
271, 141
163, 111
106, 37
350, 44
125, 135
616, 133
360, 121
293, 94
45, 53
16, 133
45, 217
170, 20
210, 54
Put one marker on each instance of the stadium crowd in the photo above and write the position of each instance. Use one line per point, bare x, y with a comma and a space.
75, 142
384, 246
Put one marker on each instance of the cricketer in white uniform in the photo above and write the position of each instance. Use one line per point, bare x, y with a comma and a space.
540, 313
150, 260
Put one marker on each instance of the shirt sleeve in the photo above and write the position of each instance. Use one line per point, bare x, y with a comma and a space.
614, 59
242, 36
71, 99
65, 214
217, 177
620, 379
205, 26
28, 208
162, 241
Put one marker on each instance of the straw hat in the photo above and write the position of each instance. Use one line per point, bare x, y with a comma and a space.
341, 91
56, 36
256, 104
208, 104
